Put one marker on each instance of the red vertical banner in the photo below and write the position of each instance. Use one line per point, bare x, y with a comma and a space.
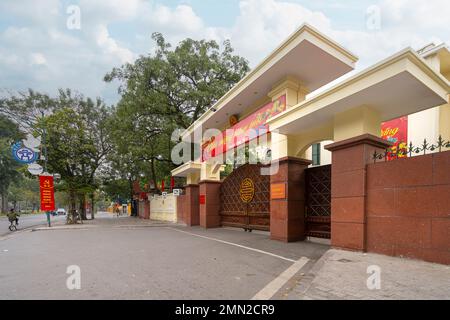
396, 131
47, 193
162, 185
172, 183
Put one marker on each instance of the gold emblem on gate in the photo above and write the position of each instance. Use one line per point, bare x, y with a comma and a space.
247, 190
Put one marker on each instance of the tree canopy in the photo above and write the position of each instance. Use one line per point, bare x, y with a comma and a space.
166, 90
99, 149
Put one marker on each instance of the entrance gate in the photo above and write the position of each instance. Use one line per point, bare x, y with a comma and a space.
245, 199
318, 201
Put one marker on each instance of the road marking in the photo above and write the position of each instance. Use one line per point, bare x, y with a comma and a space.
234, 244
276, 284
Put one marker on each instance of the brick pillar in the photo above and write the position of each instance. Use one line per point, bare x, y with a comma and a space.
191, 205
348, 189
287, 214
210, 204
181, 208
146, 209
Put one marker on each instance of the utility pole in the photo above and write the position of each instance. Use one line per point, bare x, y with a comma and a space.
44, 145
44, 151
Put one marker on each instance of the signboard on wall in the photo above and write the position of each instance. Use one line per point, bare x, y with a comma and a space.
47, 193
277, 191
396, 131
238, 134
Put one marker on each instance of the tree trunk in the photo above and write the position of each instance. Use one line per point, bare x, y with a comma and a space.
4, 202
130, 182
82, 207
154, 173
72, 206
92, 206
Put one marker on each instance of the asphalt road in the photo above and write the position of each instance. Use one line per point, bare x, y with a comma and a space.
27, 221
121, 259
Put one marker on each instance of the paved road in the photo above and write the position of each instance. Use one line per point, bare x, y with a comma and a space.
122, 258
27, 221
128, 258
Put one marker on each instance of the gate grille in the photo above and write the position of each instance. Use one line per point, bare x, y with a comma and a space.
318, 201
234, 212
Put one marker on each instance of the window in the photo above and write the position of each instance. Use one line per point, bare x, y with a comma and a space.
316, 154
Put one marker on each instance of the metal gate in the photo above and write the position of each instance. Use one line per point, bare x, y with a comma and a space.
245, 199
318, 201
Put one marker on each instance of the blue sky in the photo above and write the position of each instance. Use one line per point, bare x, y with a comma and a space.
37, 49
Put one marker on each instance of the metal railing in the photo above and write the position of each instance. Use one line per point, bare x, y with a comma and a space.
404, 150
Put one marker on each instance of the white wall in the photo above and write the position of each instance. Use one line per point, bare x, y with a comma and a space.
325, 155
423, 125
163, 208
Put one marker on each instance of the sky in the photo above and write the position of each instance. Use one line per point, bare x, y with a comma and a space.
51, 44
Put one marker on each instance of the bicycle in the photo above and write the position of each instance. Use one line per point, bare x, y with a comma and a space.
13, 226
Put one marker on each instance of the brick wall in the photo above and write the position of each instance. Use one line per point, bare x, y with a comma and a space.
408, 207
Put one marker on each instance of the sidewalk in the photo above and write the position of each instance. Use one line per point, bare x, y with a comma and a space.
104, 219
342, 274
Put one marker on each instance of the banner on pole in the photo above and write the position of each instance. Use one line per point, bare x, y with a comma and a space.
47, 193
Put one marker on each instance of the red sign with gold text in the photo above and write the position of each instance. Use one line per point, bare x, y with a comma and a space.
47, 193
396, 131
239, 133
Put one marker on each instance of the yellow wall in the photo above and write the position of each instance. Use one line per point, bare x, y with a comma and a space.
355, 122
163, 208
444, 121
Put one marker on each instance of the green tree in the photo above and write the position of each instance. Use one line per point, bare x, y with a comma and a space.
27, 108
167, 90
9, 133
180, 84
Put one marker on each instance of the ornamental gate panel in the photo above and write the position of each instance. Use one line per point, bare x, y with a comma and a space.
318, 201
245, 199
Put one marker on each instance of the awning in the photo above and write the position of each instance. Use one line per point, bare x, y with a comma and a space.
400, 85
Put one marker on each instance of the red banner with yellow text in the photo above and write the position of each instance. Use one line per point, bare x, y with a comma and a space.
47, 193
396, 131
240, 132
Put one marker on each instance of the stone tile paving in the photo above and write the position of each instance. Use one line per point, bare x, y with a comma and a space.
343, 275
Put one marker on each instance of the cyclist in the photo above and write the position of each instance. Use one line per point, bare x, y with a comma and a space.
13, 217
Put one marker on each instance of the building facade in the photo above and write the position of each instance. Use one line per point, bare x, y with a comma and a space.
310, 163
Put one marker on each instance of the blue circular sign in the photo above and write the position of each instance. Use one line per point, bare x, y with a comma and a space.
23, 154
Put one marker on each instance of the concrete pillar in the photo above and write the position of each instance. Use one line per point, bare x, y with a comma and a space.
193, 178
211, 170
355, 122
348, 189
287, 200
209, 200
290, 87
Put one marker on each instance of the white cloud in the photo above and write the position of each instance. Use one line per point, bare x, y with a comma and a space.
37, 58
262, 25
110, 10
416, 13
39, 51
110, 46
